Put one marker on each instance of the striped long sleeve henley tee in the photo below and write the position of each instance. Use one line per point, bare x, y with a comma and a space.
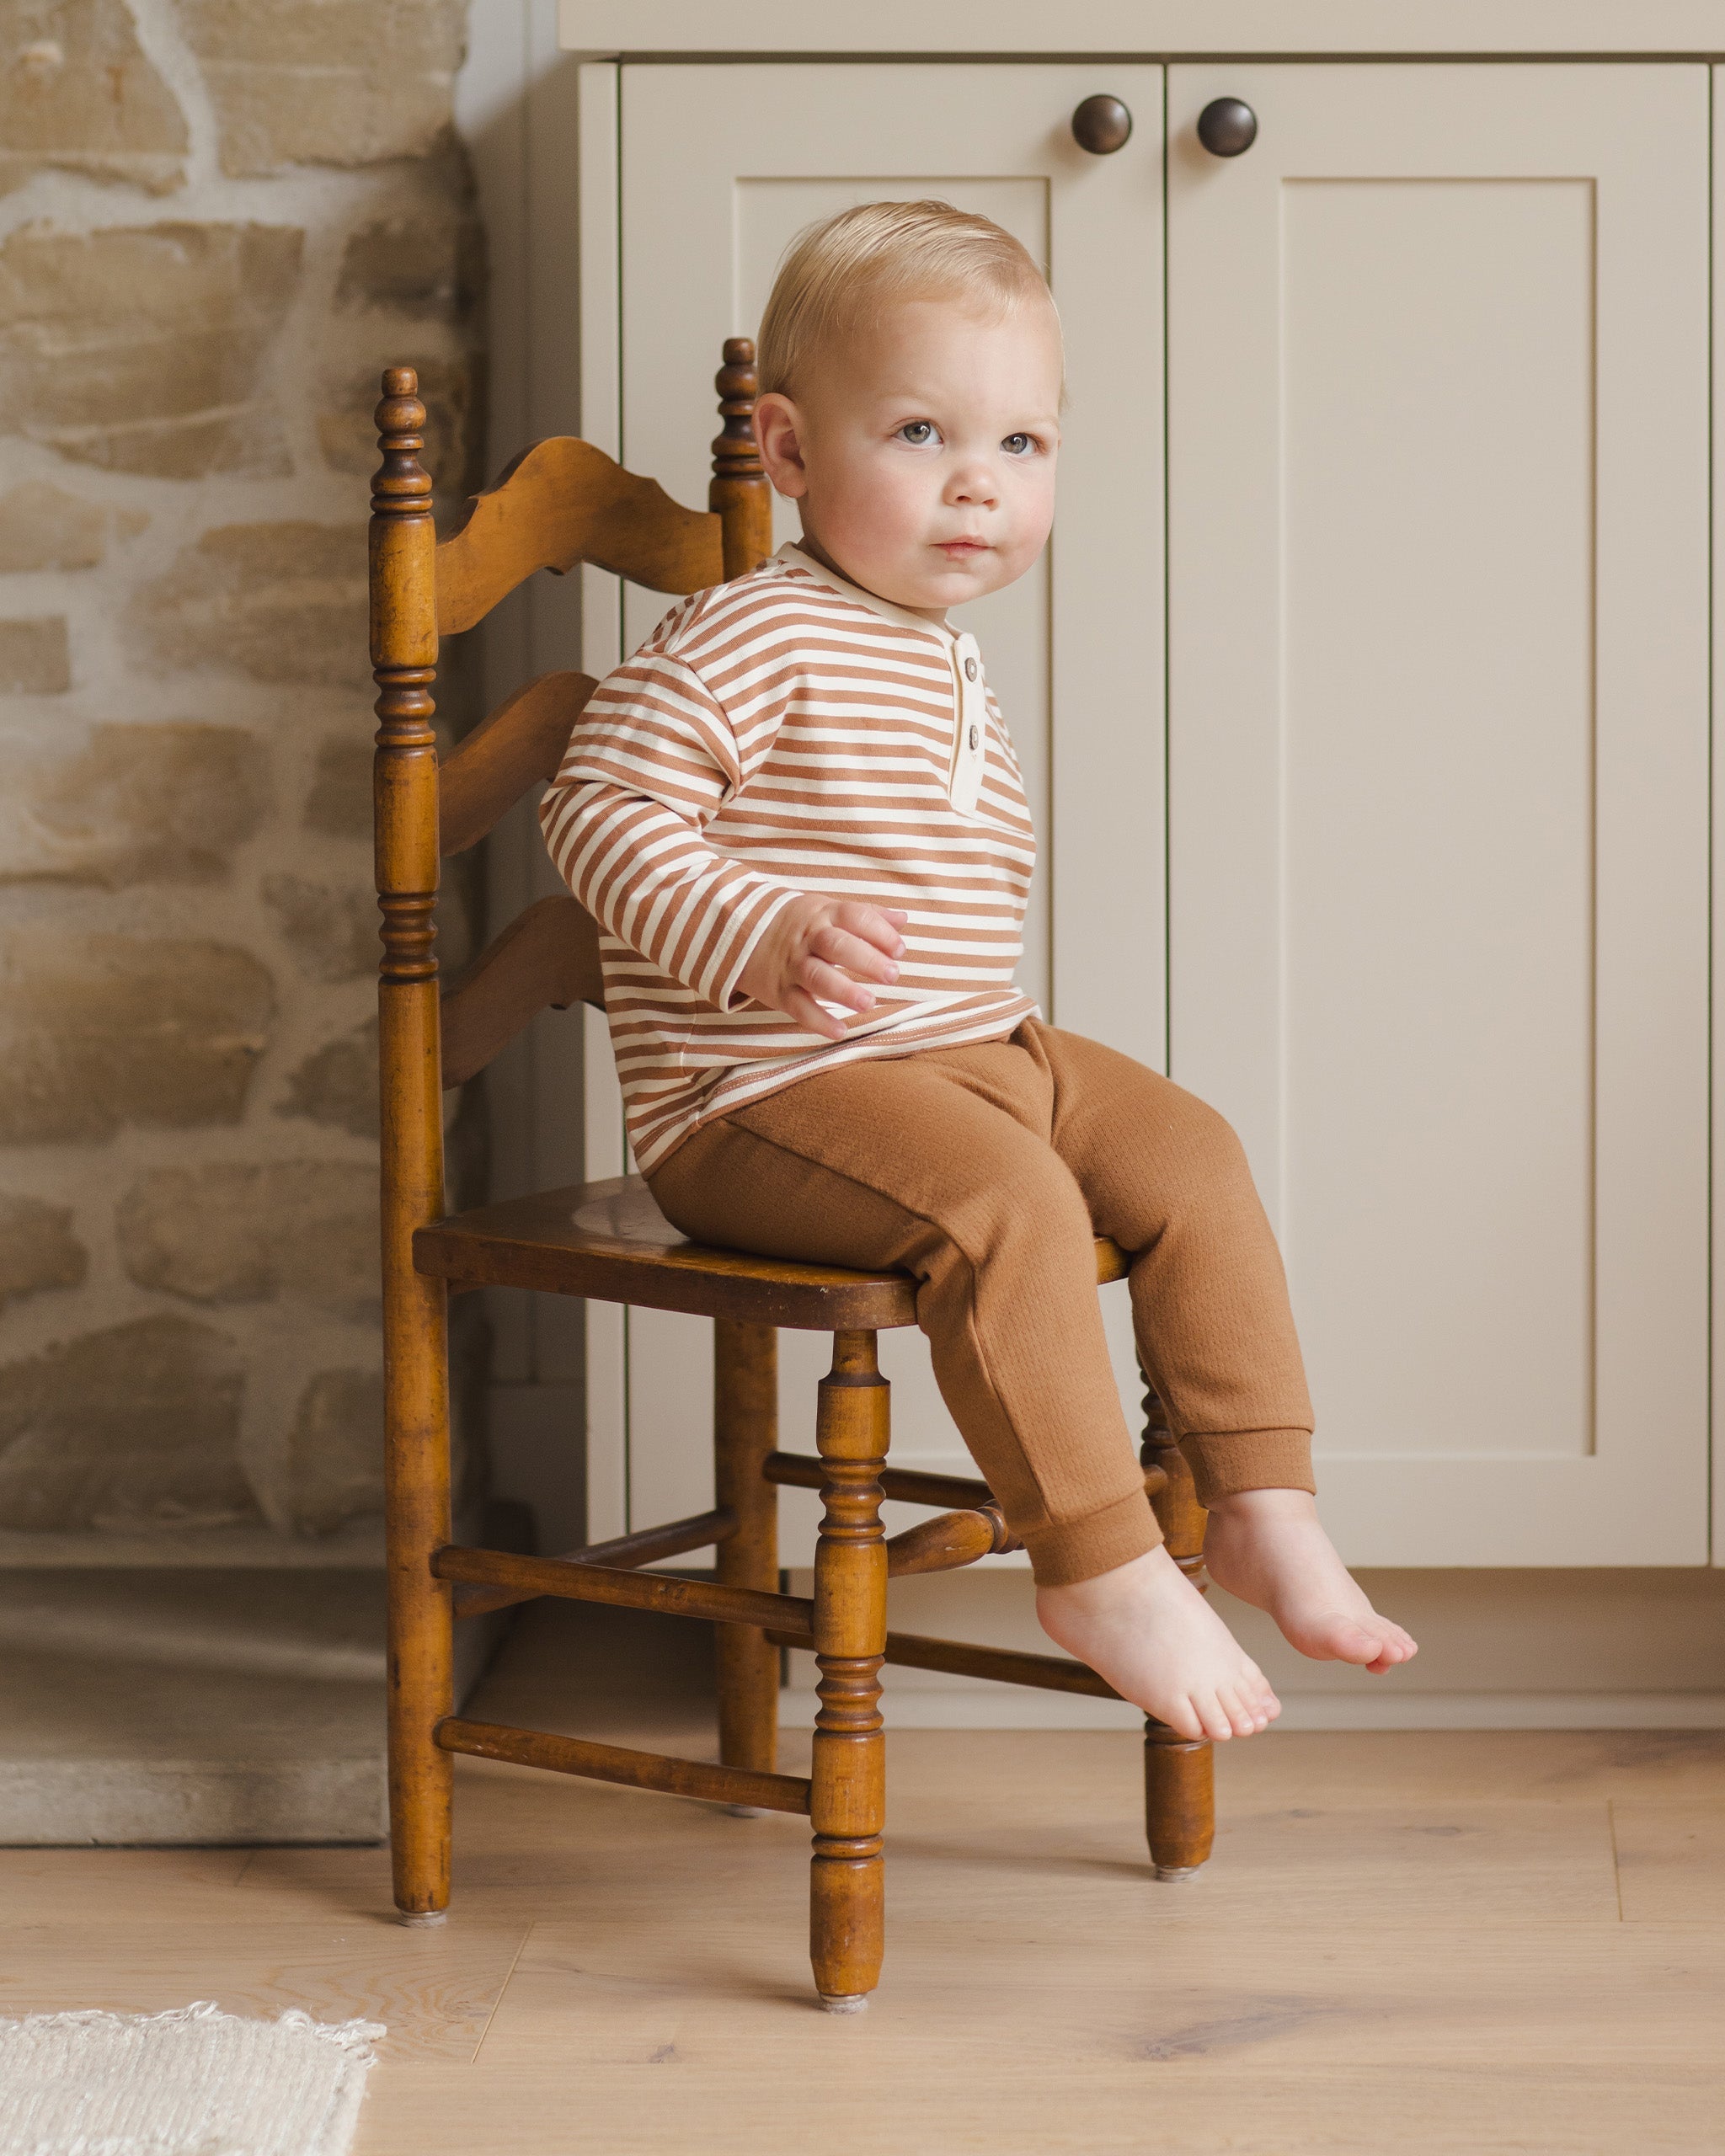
782, 734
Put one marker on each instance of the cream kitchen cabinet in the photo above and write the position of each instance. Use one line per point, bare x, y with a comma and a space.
1438, 744
1364, 702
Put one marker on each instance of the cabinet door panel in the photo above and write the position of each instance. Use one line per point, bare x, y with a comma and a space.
1438, 629
720, 168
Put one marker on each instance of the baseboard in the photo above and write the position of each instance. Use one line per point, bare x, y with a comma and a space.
1504, 1649
992, 1706
240, 1705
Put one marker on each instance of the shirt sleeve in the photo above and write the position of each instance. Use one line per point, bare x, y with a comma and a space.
650, 762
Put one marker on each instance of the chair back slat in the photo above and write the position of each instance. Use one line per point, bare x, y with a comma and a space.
561, 502
547, 958
489, 771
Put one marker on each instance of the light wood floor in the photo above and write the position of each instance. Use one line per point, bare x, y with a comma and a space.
1475, 1943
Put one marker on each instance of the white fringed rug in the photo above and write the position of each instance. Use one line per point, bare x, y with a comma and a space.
194, 2082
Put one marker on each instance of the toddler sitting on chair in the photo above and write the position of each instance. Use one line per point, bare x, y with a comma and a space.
797, 814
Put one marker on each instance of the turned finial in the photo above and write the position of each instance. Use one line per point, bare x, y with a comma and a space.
402, 486
736, 452
739, 493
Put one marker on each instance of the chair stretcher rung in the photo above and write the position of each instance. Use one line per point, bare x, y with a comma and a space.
725, 1605
614, 1763
912, 1485
950, 1541
905, 1485
1043, 1673
645, 1547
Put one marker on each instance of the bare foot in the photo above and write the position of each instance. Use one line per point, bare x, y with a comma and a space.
1148, 1630
1269, 1547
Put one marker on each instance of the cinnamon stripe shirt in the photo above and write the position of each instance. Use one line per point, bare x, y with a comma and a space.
782, 734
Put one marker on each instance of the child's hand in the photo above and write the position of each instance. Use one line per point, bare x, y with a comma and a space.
829, 948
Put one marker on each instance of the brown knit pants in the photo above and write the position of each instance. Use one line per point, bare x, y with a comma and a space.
987, 1172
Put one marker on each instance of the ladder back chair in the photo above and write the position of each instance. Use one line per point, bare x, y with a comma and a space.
562, 502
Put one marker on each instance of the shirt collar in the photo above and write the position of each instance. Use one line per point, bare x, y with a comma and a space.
792, 556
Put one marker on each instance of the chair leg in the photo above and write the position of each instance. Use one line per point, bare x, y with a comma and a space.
1179, 1778
421, 1620
744, 1431
847, 1886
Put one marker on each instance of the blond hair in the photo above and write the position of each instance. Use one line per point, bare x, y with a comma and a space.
849, 267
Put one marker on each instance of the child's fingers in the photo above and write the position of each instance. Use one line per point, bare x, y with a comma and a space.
802, 1006
816, 978
877, 925
837, 949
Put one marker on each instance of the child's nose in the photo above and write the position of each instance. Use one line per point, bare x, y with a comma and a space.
975, 483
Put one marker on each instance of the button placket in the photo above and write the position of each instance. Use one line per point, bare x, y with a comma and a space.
971, 749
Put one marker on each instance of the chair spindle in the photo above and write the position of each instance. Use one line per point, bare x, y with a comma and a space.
416, 1355
847, 1803
1179, 1772
745, 1431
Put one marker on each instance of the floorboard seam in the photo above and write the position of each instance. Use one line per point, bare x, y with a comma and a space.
1616, 1865
514, 1963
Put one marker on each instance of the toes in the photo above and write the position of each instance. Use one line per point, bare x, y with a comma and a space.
1395, 1647
1257, 1701
1213, 1716
1248, 1707
1181, 1717
1349, 1641
1242, 1715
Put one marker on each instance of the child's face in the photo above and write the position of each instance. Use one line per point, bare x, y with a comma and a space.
921, 449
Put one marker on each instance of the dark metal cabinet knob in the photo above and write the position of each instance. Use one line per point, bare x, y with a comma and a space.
1101, 125
1225, 127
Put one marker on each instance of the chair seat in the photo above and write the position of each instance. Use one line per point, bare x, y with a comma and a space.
609, 1241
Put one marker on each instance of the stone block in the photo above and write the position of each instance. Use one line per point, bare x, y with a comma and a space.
278, 602
35, 659
339, 803
347, 433
124, 1429
77, 93
140, 348
98, 1032
422, 256
236, 1233
326, 82
332, 932
336, 1452
38, 1249
337, 1084
43, 527
146, 803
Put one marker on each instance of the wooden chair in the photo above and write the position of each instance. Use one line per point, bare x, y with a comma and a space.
560, 502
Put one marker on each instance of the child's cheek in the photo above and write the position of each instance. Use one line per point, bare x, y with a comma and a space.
890, 513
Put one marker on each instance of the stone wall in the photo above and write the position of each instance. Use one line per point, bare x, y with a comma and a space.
218, 219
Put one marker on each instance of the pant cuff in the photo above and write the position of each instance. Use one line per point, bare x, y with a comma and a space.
1226, 1462
1060, 1556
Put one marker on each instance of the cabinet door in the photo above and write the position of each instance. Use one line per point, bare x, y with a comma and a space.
1438, 626
721, 167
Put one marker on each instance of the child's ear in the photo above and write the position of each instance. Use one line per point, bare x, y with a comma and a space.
778, 427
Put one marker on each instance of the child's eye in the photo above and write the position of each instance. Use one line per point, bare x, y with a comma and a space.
919, 433
1019, 445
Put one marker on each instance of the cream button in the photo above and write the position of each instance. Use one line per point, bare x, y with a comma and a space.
974, 737
971, 675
